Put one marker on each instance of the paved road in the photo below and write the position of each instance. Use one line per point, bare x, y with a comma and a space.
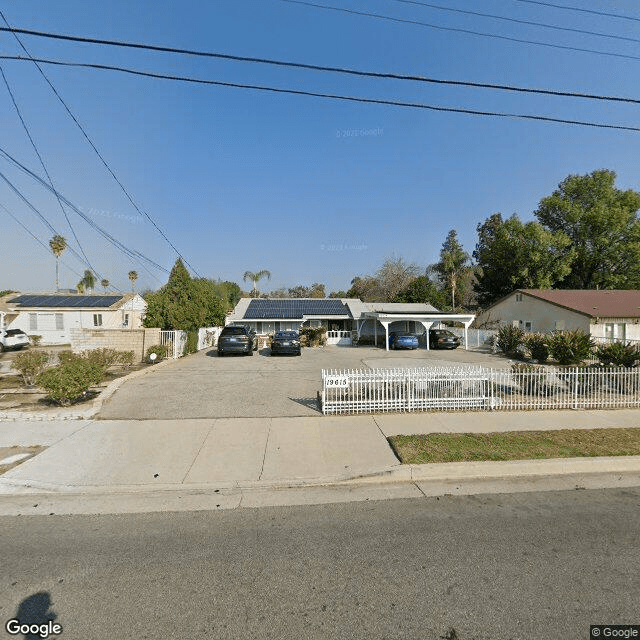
503, 567
205, 386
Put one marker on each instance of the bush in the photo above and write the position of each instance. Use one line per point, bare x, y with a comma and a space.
571, 347
67, 356
313, 336
69, 381
537, 345
104, 357
126, 359
618, 354
509, 339
35, 340
30, 364
160, 350
192, 342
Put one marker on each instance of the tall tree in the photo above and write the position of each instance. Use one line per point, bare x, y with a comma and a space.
58, 245
395, 275
133, 276
104, 283
602, 225
255, 277
88, 280
512, 255
453, 267
423, 290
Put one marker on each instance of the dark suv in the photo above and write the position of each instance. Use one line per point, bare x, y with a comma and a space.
237, 339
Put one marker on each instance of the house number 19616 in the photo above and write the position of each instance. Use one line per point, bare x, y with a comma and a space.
337, 382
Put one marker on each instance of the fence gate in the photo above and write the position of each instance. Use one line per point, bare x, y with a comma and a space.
175, 341
208, 337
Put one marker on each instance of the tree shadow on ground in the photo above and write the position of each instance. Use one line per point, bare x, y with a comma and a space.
35, 610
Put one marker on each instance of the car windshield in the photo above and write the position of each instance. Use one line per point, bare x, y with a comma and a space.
442, 333
287, 335
233, 331
14, 332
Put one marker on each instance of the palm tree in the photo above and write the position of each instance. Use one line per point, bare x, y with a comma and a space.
80, 286
104, 283
254, 277
133, 276
89, 280
58, 244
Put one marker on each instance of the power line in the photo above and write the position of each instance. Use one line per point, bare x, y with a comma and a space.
35, 148
396, 103
593, 11
342, 70
130, 253
93, 146
518, 21
34, 236
460, 30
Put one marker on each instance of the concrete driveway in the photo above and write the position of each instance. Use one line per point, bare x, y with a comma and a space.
203, 385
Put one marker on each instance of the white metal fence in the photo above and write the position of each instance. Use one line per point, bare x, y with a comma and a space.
175, 341
477, 338
341, 338
445, 389
208, 337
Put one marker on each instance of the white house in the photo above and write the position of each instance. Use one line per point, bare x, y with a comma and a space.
52, 316
610, 314
343, 318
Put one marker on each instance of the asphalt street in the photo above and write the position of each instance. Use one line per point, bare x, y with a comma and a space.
529, 566
203, 385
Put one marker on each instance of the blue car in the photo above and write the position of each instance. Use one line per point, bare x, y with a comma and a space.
402, 340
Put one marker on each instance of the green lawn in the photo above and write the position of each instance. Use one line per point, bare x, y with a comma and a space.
516, 445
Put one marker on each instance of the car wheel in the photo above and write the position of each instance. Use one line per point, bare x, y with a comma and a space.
250, 352
1, 347
220, 354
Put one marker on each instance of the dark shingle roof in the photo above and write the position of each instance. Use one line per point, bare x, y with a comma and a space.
65, 301
294, 309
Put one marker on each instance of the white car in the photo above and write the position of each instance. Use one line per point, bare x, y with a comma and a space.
13, 339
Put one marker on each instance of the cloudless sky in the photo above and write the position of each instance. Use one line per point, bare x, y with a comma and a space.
312, 189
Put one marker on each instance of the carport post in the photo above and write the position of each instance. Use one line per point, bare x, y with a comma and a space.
466, 337
427, 326
375, 332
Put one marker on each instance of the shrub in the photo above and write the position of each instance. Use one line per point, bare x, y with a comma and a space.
192, 342
126, 359
571, 347
313, 336
509, 339
104, 357
67, 356
30, 364
35, 340
69, 381
618, 354
537, 345
160, 350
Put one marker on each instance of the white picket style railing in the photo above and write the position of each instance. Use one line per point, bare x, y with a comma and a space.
446, 389
175, 341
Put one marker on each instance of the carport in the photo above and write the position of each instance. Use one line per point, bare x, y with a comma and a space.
427, 320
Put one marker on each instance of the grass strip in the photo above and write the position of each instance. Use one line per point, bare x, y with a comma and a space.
516, 445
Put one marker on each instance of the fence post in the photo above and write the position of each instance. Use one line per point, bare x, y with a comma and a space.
575, 388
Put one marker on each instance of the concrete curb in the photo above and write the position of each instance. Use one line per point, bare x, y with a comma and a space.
577, 469
87, 412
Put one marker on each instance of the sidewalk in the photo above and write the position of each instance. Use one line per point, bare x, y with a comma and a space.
207, 456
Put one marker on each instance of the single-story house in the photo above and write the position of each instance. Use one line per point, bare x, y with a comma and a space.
53, 315
605, 314
344, 318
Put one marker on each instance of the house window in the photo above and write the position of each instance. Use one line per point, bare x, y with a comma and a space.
518, 297
97, 319
59, 322
527, 326
126, 320
615, 331
33, 322
258, 327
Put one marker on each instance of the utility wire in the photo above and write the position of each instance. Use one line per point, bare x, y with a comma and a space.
35, 237
35, 148
460, 30
593, 11
93, 146
130, 253
517, 20
395, 103
342, 70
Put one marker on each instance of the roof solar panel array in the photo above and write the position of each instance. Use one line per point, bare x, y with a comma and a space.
294, 309
64, 301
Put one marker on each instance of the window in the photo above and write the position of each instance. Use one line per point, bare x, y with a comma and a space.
126, 320
527, 326
518, 297
97, 319
33, 322
59, 322
615, 331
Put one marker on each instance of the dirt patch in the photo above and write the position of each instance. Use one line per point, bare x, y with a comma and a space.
11, 457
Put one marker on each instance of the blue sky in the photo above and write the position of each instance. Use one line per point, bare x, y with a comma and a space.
313, 190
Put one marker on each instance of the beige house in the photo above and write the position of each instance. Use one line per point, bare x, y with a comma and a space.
608, 314
53, 315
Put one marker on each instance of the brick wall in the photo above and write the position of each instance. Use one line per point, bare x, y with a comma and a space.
136, 340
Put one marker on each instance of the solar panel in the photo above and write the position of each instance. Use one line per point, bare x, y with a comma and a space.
62, 301
294, 309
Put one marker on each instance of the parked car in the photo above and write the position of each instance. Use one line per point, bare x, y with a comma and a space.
13, 339
402, 340
443, 339
237, 339
286, 342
